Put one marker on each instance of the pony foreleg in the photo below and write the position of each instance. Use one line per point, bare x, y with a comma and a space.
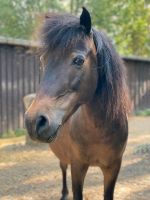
63, 167
78, 172
110, 178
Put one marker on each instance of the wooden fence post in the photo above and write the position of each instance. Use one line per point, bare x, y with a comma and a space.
27, 100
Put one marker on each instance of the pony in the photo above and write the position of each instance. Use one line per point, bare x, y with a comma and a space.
81, 105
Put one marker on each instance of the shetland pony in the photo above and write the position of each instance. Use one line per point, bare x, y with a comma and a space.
81, 105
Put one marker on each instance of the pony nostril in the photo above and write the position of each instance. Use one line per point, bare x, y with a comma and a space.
41, 121
42, 124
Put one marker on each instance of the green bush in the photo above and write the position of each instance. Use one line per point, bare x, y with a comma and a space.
143, 112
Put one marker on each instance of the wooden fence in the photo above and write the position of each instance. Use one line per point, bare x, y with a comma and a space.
138, 74
20, 74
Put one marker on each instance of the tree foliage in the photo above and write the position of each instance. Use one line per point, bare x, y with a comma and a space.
18, 18
126, 21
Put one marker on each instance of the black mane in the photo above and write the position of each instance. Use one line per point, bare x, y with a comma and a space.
61, 31
111, 89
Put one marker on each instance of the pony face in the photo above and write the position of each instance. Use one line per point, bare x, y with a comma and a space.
69, 77
81, 65
71, 72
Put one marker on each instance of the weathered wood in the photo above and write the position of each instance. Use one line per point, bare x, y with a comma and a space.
27, 102
19, 76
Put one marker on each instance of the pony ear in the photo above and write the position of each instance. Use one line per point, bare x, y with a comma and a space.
85, 20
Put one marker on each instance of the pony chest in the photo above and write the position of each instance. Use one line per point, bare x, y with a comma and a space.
94, 150
97, 154
95, 147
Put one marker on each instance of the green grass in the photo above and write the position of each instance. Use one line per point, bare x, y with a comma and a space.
145, 112
10, 134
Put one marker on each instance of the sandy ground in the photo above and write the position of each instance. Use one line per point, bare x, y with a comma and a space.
32, 173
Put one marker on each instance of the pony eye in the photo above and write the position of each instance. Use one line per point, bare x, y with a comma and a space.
79, 60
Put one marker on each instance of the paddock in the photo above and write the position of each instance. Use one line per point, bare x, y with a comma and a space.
32, 172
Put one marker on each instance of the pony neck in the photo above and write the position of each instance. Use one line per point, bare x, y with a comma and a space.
93, 112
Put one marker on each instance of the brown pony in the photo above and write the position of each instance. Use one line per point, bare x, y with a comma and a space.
81, 105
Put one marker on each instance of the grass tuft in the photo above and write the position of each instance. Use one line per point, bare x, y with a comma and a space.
11, 134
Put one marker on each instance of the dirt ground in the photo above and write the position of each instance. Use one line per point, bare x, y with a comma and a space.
32, 173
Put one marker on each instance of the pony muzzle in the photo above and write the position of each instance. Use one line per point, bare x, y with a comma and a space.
43, 127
